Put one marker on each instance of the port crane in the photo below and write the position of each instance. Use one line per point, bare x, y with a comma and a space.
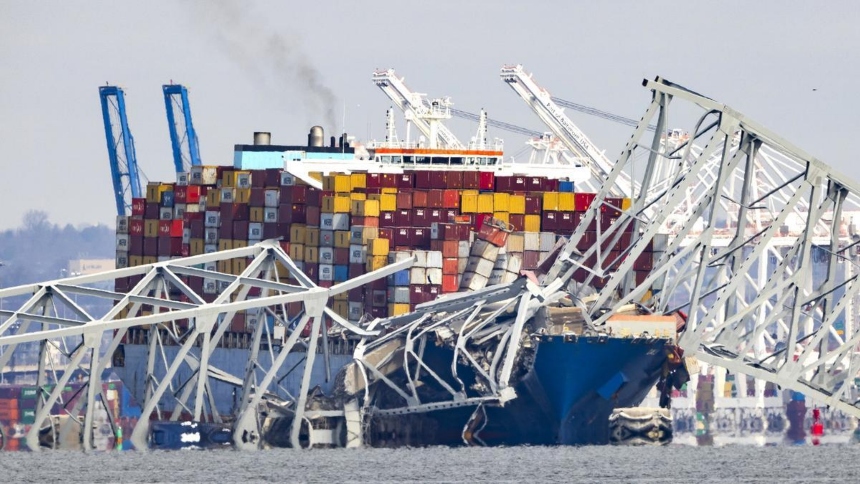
120, 146
568, 133
183, 138
426, 115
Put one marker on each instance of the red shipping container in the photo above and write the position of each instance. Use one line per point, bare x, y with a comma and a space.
403, 236
419, 199
587, 241
449, 266
645, 262
471, 180
550, 185
435, 198
417, 294
189, 216
374, 180
404, 200
612, 206
454, 180
341, 256
403, 218
450, 283
389, 180
439, 179
379, 312
138, 206
404, 180
135, 226
517, 221
582, 201
180, 194
312, 216
258, 179
170, 228
387, 219
434, 291
365, 221
193, 193
422, 179
421, 217
386, 233
487, 180
533, 205
437, 215
492, 234
531, 258
292, 214
450, 248
451, 198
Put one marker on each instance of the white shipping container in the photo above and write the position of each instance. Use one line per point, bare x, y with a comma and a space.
165, 213
434, 230
473, 282
273, 198
515, 264
509, 277
547, 241
501, 260
464, 248
270, 215
417, 275
356, 311
420, 259
243, 180
210, 286
462, 262
479, 265
122, 224
195, 207
482, 248
340, 221
401, 295
210, 236
179, 211
186, 235
434, 259
496, 277
326, 255
434, 276
122, 242
121, 259
255, 230
203, 175
326, 272
399, 255
182, 178
227, 195
212, 219
326, 238
515, 242
327, 221
531, 241
210, 248
357, 254
287, 179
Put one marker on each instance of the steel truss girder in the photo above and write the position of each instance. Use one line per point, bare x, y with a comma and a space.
158, 288
730, 229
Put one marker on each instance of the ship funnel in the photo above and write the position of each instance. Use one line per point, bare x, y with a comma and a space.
262, 138
316, 137
343, 141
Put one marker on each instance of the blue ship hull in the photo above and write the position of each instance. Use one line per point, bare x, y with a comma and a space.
564, 398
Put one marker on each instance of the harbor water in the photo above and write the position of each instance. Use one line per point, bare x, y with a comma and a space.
674, 463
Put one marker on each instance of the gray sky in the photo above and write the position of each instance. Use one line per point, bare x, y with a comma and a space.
283, 66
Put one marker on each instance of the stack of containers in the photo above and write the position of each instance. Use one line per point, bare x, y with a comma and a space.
490, 240
10, 415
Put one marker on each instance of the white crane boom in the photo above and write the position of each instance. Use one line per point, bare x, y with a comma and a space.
427, 116
573, 138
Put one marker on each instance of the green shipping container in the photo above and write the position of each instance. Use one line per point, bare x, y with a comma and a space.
29, 392
28, 416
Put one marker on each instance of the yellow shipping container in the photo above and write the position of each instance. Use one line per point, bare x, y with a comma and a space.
282, 270
239, 244
312, 254
341, 308
375, 262
243, 195
135, 260
149, 259
225, 244
565, 202
531, 223
312, 236
503, 216
469, 203
387, 202
365, 208
397, 309
336, 204
379, 247
358, 196
225, 266
358, 180
550, 201
150, 228
501, 202
213, 198
485, 203
297, 252
341, 239
316, 175
342, 296
196, 247
154, 191
257, 214
239, 265
328, 182
342, 184
517, 204
626, 203
389, 191
297, 233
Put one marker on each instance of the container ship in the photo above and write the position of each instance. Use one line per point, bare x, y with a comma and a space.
470, 221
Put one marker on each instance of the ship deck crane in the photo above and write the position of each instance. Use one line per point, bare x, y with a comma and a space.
186, 151
427, 116
120, 146
553, 115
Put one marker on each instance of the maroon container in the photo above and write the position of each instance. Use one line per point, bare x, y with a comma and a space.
387, 219
379, 312
450, 213
531, 258
420, 217
404, 180
151, 211
138, 206
257, 197
517, 221
314, 196
533, 205
341, 256
312, 215
549, 221
454, 180
420, 237
535, 184
355, 294
439, 179
471, 180
198, 229
438, 215
270, 230
422, 179
374, 180
402, 236
420, 199
403, 218
240, 229
273, 177
293, 194
435, 198
416, 294
136, 227
231, 212
389, 180
589, 238
486, 180
612, 206
169, 246
355, 270
226, 231
258, 179
582, 201
378, 284
386, 233
135, 245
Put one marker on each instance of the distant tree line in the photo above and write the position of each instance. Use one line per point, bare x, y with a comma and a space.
39, 250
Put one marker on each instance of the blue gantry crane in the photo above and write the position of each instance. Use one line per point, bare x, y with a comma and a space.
120, 145
186, 151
